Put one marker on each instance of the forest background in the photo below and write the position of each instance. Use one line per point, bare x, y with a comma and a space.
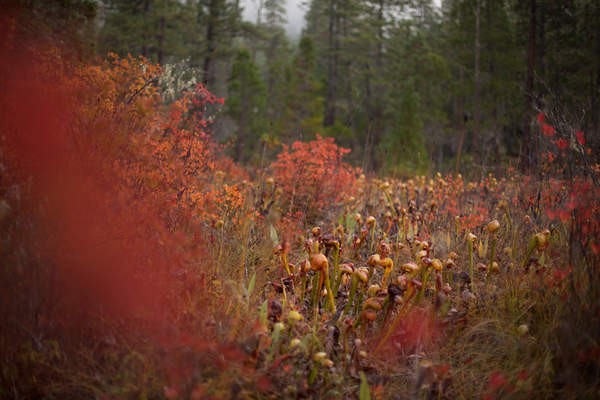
408, 85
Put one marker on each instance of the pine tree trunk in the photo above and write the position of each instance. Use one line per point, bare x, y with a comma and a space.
161, 41
476, 106
146, 9
329, 119
377, 107
527, 156
461, 124
208, 78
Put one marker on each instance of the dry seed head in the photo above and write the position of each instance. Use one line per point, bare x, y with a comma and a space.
409, 267
347, 268
279, 326
374, 260
523, 329
358, 218
495, 267
373, 290
292, 267
305, 266
345, 279
295, 316
369, 314
449, 263
542, 239
493, 226
362, 274
386, 263
318, 262
372, 303
384, 248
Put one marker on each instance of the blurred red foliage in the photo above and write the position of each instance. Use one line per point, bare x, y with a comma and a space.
116, 184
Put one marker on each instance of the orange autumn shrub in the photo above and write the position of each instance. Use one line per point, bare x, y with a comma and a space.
158, 151
126, 184
313, 176
108, 201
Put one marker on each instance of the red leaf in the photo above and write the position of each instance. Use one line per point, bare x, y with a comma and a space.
442, 370
562, 144
595, 247
263, 383
548, 130
563, 216
497, 380
580, 137
541, 118
523, 375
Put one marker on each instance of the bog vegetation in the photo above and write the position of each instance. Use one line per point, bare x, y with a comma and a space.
142, 258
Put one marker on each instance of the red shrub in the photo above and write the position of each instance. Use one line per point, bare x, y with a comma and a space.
313, 176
